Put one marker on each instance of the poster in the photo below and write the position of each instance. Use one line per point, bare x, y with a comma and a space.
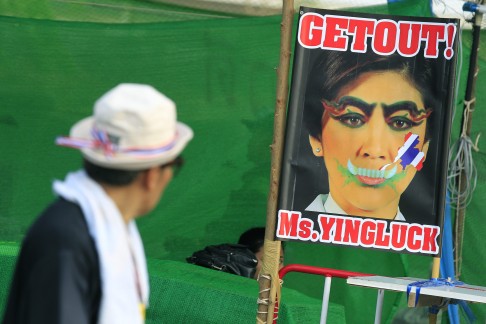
367, 133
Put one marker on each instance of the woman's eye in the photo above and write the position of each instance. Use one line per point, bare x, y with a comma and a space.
352, 120
400, 123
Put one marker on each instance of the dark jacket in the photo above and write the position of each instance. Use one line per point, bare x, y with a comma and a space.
57, 277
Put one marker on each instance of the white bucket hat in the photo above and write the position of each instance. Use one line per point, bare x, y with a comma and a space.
133, 127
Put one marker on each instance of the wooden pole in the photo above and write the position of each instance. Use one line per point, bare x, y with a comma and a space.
268, 279
436, 268
435, 275
469, 104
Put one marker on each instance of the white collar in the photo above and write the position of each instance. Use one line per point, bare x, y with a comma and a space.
331, 206
326, 204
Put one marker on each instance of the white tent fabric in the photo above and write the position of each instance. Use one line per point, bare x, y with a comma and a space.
440, 8
453, 9
268, 7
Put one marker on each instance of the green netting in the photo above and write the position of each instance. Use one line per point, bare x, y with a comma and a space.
104, 11
221, 73
214, 75
185, 293
208, 296
8, 256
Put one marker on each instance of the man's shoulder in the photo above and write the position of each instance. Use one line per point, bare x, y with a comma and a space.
61, 205
61, 213
61, 223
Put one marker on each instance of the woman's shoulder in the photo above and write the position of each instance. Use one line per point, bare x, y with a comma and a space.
317, 205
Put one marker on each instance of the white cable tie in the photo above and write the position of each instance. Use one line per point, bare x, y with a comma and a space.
469, 102
263, 301
475, 145
467, 110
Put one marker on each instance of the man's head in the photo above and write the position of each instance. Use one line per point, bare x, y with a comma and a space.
133, 135
363, 110
254, 239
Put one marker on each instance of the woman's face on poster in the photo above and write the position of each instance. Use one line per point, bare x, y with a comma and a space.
363, 129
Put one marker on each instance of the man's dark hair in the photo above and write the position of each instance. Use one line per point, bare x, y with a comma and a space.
110, 176
254, 238
333, 70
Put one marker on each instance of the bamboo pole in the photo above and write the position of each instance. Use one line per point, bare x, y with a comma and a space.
268, 279
435, 275
435, 268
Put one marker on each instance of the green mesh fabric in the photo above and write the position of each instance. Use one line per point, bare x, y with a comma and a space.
212, 73
8, 256
474, 249
186, 293
58, 57
201, 295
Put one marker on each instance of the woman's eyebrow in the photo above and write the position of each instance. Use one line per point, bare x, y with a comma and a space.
367, 108
409, 106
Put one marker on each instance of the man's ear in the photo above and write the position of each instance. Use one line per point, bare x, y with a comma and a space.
316, 146
150, 177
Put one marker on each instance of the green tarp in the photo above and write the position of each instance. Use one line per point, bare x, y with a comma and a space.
221, 73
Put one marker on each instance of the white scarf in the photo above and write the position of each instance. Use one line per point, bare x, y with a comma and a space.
116, 243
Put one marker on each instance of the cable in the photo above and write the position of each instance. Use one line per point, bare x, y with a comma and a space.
460, 159
461, 162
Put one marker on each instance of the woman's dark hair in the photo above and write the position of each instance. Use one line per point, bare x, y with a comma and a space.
333, 70
109, 176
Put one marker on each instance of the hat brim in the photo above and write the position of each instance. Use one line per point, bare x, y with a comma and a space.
127, 161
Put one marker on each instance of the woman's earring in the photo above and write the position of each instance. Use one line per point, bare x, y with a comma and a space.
318, 150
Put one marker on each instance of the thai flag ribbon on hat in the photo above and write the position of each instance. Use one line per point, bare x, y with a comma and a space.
101, 140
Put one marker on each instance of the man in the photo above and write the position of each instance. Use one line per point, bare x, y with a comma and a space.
82, 261
254, 238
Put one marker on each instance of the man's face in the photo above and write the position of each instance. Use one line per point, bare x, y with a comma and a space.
158, 178
362, 132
